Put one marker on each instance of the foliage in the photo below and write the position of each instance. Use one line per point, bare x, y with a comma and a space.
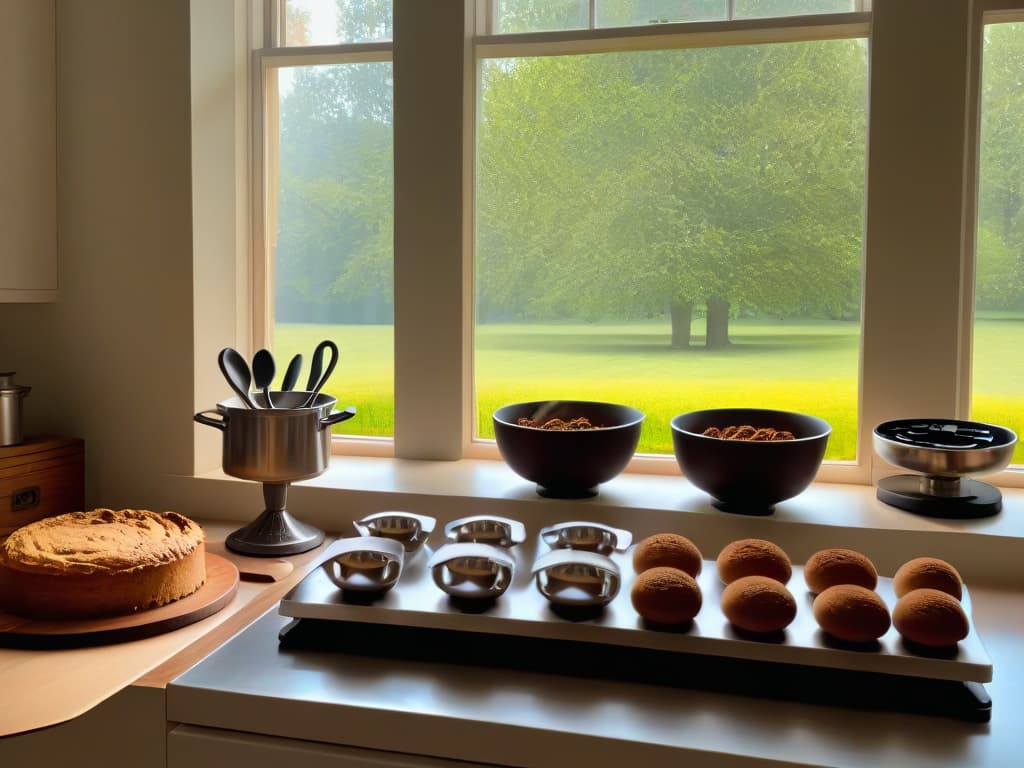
616, 186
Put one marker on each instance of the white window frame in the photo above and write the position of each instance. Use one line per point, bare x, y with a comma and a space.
924, 69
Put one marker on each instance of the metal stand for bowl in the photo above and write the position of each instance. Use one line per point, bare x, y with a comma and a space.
275, 532
957, 498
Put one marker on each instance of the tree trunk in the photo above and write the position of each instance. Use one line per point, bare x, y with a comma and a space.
718, 324
682, 315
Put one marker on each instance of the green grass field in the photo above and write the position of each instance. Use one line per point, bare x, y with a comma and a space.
802, 366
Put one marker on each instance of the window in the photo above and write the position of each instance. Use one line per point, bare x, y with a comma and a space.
328, 193
570, 166
654, 227
998, 372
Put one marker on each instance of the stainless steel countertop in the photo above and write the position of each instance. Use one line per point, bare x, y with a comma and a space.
525, 718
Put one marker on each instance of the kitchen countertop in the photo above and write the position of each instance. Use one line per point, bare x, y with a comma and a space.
535, 719
57, 685
424, 708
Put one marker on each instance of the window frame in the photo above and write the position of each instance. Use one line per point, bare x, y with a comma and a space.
930, 205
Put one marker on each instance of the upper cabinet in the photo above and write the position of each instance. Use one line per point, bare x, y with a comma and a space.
28, 156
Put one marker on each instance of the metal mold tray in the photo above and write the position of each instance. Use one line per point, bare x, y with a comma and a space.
523, 611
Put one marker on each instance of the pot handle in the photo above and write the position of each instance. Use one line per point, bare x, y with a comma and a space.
221, 423
335, 418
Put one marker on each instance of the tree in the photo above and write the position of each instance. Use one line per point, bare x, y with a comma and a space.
634, 183
1000, 247
334, 243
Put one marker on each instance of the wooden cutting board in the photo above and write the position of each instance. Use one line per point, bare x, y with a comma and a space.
253, 568
220, 587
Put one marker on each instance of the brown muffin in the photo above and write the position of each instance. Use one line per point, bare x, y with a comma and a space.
929, 573
666, 595
758, 604
753, 557
852, 613
667, 549
930, 617
829, 567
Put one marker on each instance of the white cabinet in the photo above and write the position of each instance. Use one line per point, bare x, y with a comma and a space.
192, 747
28, 152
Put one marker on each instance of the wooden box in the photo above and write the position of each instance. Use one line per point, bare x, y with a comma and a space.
40, 477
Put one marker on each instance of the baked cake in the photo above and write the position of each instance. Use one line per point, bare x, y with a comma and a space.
101, 563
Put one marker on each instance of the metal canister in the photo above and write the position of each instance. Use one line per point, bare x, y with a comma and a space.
11, 395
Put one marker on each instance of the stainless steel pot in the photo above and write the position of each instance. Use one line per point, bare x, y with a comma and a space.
276, 445
11, 397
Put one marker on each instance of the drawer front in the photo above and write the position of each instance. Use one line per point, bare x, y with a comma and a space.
48, 491
192, 747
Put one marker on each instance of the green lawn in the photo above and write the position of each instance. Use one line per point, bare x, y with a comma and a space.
802, 366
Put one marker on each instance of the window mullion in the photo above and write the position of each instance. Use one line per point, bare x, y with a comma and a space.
912, 334
429, 61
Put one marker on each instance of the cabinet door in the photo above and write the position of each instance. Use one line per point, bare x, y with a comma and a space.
192, 747
28, 151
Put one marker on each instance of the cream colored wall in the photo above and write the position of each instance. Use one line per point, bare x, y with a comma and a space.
111, 362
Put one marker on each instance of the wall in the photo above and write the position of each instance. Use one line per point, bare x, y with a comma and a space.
111, 362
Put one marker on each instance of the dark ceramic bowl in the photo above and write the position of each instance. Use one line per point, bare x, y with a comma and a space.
568, 464
745, 476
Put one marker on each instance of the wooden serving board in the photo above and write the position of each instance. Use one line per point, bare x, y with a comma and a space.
220, 587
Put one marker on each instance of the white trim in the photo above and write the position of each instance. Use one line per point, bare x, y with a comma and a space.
702, 34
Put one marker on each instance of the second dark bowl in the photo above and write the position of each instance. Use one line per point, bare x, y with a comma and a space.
749, 477
568, 464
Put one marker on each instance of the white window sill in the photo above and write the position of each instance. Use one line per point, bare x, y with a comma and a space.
988, 550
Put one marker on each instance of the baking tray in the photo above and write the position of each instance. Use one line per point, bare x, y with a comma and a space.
416, 602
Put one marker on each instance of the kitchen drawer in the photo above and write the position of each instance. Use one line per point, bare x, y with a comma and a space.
40, 477
192, 747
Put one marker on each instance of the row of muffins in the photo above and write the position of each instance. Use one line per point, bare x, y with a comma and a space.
757, 600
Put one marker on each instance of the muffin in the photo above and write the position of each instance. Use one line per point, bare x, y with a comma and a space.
667, 549
753, 557
930, 617
930, 573
829, 567
852, 613
758, 604
666, 595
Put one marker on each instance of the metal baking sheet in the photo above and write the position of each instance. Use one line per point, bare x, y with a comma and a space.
522, 611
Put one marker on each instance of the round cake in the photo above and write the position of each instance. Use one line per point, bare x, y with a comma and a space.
930, 617
758, 604
101, 563
753, 557
666, 595
927, 573
667, 549
830, 567
852, 613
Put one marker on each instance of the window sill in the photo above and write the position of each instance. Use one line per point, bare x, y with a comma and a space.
988, 550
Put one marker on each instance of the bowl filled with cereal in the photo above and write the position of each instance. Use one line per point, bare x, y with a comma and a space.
749, 459
567, 447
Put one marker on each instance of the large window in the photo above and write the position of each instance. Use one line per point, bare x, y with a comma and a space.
998, 391
675, 230
674, 204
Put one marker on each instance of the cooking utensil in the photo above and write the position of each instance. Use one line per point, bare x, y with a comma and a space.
236, 372
316, 380
276, 447
947, 452
263, 370
11, 397
291, 374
